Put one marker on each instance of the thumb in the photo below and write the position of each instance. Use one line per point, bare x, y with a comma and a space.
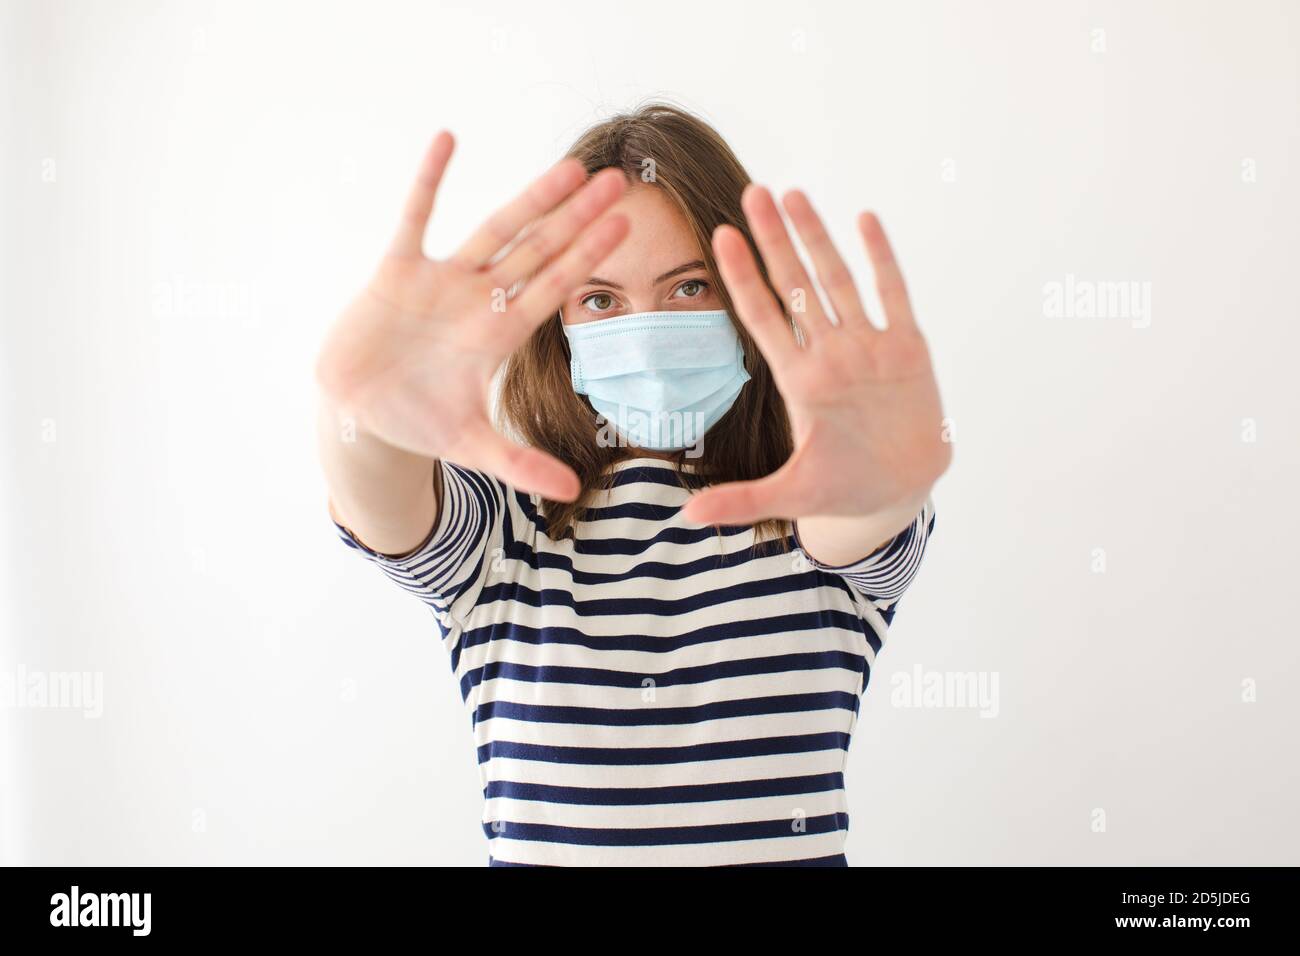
529, 470
744, 502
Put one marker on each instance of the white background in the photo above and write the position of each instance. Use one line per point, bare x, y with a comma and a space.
192, 190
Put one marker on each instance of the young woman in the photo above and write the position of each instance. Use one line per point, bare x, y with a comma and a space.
663, 601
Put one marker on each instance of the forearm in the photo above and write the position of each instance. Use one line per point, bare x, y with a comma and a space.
842, 540
385, 495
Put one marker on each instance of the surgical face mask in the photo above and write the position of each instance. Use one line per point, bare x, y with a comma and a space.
660, 379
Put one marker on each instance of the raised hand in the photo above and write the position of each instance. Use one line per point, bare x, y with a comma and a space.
863, 402
412, 358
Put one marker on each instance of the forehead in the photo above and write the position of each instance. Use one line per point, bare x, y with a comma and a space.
659, 238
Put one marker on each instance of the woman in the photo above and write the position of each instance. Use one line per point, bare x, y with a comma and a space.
663, 604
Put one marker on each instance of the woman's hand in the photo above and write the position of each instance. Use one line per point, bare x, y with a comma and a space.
863, 402
412, 359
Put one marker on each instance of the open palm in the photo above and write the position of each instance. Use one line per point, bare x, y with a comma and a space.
863, 402
412, 359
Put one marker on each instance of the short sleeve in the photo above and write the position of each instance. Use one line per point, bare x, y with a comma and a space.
447, 571
882, 576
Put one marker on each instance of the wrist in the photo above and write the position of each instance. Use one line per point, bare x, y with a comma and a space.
844, 540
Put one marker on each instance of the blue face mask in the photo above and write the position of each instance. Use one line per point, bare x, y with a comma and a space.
660, 379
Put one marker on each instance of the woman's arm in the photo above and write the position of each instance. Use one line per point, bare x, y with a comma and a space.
841, 541
385, 495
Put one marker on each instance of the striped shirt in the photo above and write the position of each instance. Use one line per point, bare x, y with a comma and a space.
652, 692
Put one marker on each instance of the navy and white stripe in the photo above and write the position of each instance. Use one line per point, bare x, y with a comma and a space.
653, 692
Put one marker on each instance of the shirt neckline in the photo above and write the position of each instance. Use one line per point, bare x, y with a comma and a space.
647, 461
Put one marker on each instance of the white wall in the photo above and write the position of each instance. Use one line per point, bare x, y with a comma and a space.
223, 176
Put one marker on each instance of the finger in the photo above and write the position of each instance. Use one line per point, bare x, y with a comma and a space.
546, 292
502, 226
889, 280
832, 274
782, 261
556, 231
754, 303
745, 502
529, 470
419, 202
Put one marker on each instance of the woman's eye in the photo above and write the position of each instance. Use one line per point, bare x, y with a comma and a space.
599, 301
692, 288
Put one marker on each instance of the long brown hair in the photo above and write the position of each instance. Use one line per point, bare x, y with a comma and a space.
668, 148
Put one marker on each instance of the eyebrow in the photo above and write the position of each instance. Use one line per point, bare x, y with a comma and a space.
691, 266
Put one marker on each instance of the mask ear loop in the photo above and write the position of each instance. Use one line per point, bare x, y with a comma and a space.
575, 370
